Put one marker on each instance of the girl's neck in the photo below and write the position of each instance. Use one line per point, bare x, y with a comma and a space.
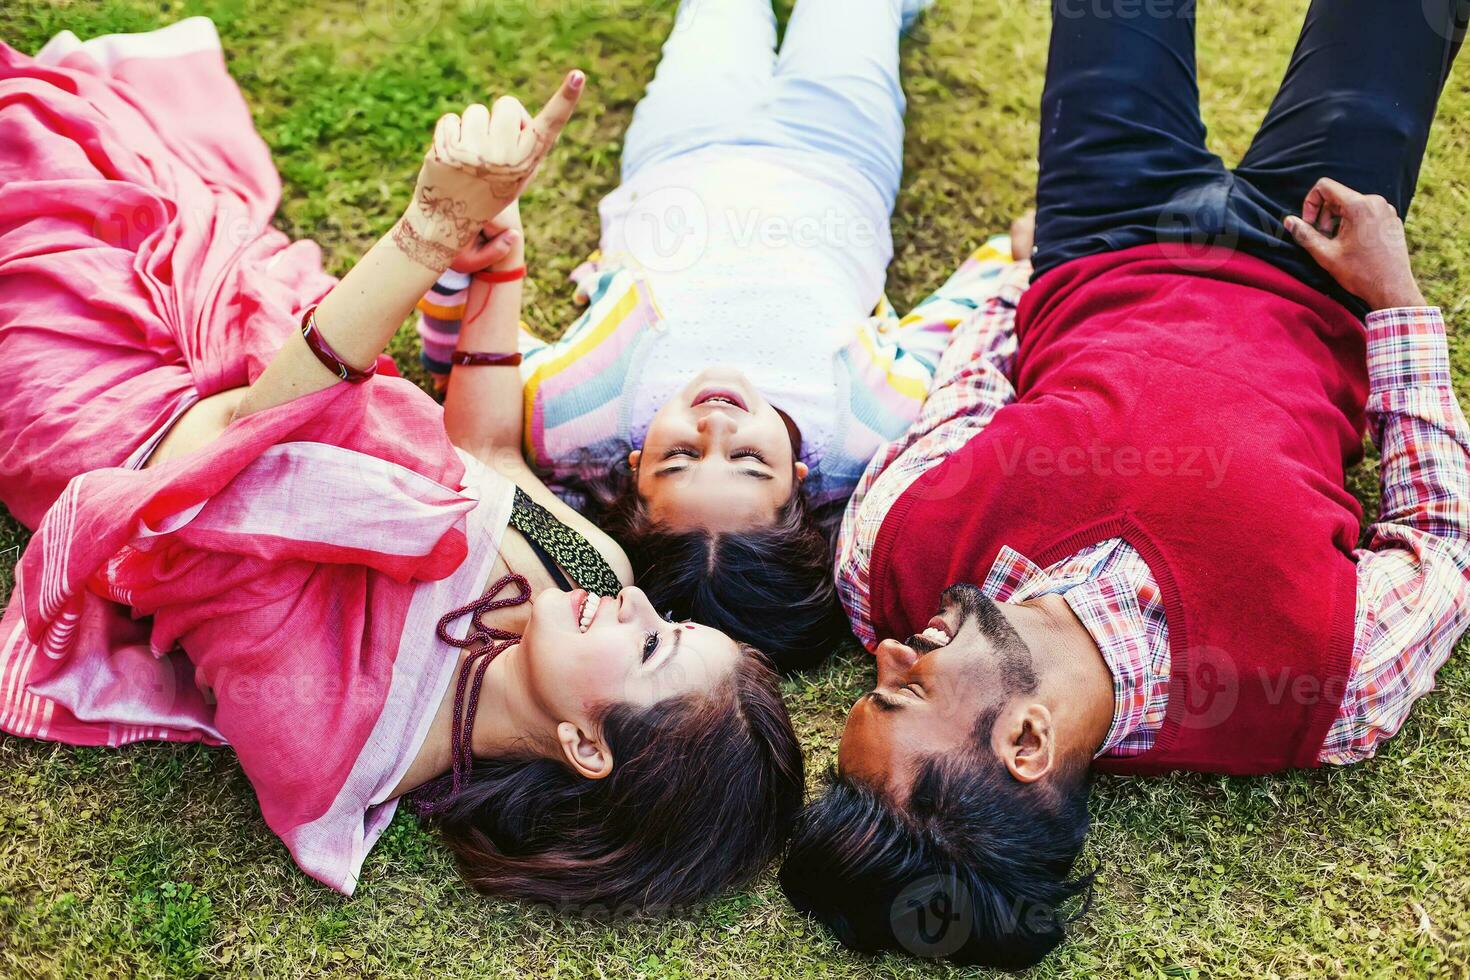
506, 721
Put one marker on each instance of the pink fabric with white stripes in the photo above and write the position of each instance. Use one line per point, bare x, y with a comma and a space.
302, 559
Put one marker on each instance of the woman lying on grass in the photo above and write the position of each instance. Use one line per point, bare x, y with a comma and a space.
243, 539
729, 381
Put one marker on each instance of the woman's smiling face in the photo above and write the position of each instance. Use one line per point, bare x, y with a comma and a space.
717, 457
584, 652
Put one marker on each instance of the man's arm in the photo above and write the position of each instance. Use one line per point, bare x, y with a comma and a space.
1414, 577
970, 385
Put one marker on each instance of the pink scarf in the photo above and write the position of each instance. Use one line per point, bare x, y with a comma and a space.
289, 576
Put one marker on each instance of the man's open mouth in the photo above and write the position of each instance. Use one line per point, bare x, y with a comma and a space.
937, 632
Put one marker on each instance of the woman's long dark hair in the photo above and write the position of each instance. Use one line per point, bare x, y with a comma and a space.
769, 586
702, 795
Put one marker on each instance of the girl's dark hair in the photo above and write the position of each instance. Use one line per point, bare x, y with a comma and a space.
769, 586
702, 795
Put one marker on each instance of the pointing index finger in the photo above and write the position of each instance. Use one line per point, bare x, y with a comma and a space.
558, 109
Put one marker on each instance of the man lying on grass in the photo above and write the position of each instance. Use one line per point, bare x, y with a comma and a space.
1125, 497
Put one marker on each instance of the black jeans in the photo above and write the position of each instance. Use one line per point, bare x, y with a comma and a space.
1123, 158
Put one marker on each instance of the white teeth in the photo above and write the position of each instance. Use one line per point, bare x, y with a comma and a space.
935, 635
589, 609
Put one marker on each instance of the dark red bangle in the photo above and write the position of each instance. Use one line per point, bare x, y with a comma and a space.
324, 353
509, 275
484, 358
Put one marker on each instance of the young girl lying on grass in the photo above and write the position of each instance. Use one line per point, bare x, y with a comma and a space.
737, 365
243, 539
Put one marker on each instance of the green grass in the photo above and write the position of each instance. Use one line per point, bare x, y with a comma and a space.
155, 861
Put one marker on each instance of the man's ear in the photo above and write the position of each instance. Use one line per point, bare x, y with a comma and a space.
634, 458
588, 755
801, 471
1023, 738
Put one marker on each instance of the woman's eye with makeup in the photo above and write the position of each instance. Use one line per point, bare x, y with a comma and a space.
748, 454
681, 451
650, 646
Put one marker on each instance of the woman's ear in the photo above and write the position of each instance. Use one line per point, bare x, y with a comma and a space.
634, 458
801, 471
1025, 741
589, 756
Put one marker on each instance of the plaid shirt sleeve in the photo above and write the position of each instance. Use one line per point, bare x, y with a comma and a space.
971, 384
1414, 578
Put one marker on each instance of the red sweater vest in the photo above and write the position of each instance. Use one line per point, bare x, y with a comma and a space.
1203, 408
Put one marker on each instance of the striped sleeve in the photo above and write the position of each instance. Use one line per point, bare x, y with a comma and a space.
892, 361
925, 332
574, 386
440, 312
1414, 576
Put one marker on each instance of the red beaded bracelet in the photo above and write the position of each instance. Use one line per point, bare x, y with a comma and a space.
329, 358
509, 275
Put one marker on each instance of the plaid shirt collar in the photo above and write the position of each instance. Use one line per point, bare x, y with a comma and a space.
1106, 602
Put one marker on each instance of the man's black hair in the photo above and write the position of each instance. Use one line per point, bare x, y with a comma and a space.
975, 867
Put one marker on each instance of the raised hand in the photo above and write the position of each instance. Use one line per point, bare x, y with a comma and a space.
1359, 240
480, 162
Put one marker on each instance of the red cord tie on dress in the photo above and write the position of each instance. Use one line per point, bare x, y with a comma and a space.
485, 643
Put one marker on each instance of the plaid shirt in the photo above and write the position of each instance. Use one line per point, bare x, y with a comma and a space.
1413, 592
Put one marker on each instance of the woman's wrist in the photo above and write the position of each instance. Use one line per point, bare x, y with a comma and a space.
425, 241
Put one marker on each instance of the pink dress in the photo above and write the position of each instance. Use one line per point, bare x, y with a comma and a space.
276, 591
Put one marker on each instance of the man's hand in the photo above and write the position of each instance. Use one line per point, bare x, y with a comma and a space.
1359, 240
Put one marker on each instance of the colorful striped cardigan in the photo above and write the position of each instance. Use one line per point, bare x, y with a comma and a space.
578, 388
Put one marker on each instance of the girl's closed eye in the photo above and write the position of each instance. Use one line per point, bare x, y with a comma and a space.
681, 451
748, 454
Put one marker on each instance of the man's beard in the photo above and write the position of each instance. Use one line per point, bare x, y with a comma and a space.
1017, 668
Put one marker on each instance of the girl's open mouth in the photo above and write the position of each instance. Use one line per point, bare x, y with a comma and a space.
719, 396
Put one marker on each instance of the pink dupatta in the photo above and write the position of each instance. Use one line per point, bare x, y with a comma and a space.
277, 591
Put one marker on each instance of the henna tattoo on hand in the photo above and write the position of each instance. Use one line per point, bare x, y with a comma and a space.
424, 251
507, 180
447, 210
